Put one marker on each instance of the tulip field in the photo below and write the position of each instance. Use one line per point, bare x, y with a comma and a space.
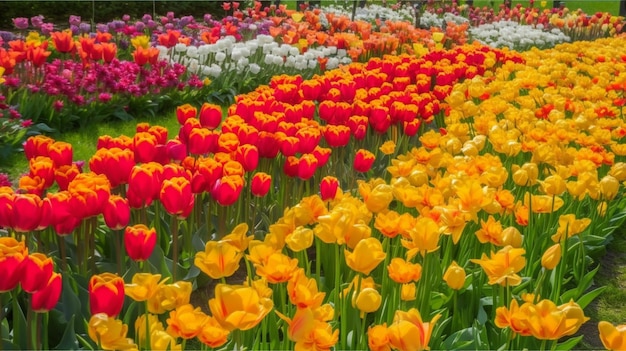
384, 177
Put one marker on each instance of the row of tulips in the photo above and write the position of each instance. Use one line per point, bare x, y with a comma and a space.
501, 212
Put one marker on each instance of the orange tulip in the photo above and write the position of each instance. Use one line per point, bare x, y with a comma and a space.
239, 307
186, 322
144, 56
63, 41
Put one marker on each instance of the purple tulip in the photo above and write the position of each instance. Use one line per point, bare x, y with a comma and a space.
207, 18
84, 27
139, 26
102, 28
37, 21
146, 18
74, 20
152, 24
47, 28
74, 29
20, 23
170, 15
126, 18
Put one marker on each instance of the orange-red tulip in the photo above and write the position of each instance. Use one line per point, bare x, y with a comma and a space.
328, 188
139, 241
106, 294
37, 269
144, 184
260, 184
363, 160
227, 189
116, 212
12, 255
210, 115
27, 212
248, 156
61, 153
63, 41
37, 146
176, 196
144, 56
64, 175
202, 141
145, 146
46, 298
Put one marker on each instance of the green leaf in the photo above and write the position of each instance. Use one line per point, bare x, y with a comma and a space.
8, 345
123, 115
69, 341
464, 339
586, 299
569, 344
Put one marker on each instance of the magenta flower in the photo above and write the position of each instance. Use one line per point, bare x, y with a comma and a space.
20, 23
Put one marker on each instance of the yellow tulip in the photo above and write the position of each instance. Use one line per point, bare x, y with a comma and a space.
388, 147
543, 203
553, 185
300, 239
454, 276
238, 237
551, 257
511, 236
407, 292
367, 300
186, 322
613, 337
490, 231
376, 197
169, 297
219, 259
546, 321
238, 306
301, 325
143, 286
609, 187
161, 340
367, 254
154, 324
278, 269
409, 332
502, 266
424, 237
109, 333
570, 226
303, 291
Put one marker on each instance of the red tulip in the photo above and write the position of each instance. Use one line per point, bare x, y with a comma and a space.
27, 212
145, 144
210, 170
291, 166
61, 153
202, 141
12, 254
177, 197
260, 184
42, 167
337, 135
63, 41
45, 299
363, 160
307, 166
210, 115
106, 294
322, 154
37, 269
328, 188
63, 175
116, 212
114, 162
6, 207
184, 112
227, 189
308, 139
268, 145
37, 146
139, 242
144, 184
227, 142
248, 156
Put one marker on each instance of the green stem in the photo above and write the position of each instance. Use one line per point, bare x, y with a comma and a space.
44, 337
174, 229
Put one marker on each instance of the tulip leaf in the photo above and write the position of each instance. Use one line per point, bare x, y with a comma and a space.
4, 325
193, 273
68, 341
569, 344
8, 345
465, 339
586, 299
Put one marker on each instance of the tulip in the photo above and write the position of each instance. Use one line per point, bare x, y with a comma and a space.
47, 298
407, 292
248, 156
279, 268
64, 175
409, 332
143, 286
177, 197
37, 146
227, 189
139, 242
502, 266
115, 163
303, 291
202, 141
116, 212
454, 276
27, 212
37, 270
144, 184
612, 337
367, 254
378, 338
143, 56
106, 294
402, 272
42, 167
63, 41
109, 333
219, 259
363, 160
145, 147
186, 322
238, 307
210, 115
169, 297
61, 153
609, 188
12, 255
551, 257
213, 334
367, 300
301, 325
261, 183
227, 142
328, 188
307, 166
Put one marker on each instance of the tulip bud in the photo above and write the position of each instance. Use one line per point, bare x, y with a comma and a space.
45, 299
454, 276
139, 242
367, 300
551, 257
609, 187
363, 160
260, 184
328, 188
106, 294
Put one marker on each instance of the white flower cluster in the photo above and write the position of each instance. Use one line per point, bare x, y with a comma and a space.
228, 55
429, 19
516, 36
370, 13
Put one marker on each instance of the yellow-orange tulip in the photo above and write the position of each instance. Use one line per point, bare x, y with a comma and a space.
303, 291
278, 269
213, 334
109, 333
613, 337
502, 266
367, 254
239, 306
547, 321
169, 297
407, 292
378, 338
153, 324
238, 237
143, 286
569, 226
219, 259
454, 276
490, 231
424, 237
409, 332
367, 300
551, 257
609, 187
186, 322
402, 272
